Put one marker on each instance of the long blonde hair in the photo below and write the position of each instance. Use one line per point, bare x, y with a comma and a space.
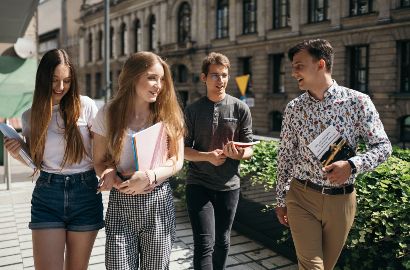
41, 110
121, 108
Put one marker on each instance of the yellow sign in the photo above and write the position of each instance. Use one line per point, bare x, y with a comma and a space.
242, 82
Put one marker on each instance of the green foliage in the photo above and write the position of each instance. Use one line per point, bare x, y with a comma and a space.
380, 236
262, 166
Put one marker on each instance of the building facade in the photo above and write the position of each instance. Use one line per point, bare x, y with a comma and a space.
371, 41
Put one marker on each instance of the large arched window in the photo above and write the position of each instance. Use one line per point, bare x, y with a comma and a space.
100, 44
137, 35
111, 42
275, 121
152, 33
184, 23
222, 19
90, 47
123, 34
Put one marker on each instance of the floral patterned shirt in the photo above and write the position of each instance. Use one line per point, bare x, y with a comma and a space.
352, 114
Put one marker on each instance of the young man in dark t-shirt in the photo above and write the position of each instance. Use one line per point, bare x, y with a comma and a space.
214, 122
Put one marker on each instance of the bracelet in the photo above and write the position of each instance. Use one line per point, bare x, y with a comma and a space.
149, 179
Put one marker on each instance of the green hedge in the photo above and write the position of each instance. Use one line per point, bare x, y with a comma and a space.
380, 236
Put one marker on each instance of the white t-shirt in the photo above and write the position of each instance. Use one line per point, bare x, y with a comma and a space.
99, 126
55, 143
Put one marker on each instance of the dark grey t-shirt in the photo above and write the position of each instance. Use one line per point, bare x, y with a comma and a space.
210, 126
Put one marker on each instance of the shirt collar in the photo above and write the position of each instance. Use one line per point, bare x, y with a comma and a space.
331, 91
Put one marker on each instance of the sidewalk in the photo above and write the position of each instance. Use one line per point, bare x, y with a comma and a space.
15, 237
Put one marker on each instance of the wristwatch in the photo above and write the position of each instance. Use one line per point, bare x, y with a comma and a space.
354, 169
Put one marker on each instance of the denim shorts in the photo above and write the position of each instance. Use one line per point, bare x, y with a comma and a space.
67, 202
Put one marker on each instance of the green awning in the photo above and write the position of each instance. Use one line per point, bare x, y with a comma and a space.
17, 80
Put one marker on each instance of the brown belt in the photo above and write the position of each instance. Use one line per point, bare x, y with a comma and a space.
327, 190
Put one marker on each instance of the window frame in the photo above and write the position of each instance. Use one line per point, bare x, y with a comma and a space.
249, 19
137, 35
184, 22
123, 30
222, 19
356, 11
403, 49
151, 33
313, 13
276, 62
355, 67
277, 12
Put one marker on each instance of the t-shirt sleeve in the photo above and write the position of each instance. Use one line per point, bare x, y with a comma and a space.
245, 132
90, 109
98, 124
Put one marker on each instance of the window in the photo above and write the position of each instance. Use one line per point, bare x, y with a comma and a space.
359, 67
275, 121
88, 84
98, 84
360, 7
100, 45
249, 16
123, 32
405, 129
184, 23
182, 74
277, 72
152, 45
318, 11
111, 42
182, 98
179, 73
90, 47
222, 19
280, 13
404, 3
137, 35
404, 62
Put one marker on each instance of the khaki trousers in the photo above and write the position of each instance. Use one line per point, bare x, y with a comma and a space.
319, 224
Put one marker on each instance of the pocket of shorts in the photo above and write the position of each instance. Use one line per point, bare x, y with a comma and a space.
90, 183
42, 182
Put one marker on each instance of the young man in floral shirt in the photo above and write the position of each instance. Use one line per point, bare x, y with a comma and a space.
318, 202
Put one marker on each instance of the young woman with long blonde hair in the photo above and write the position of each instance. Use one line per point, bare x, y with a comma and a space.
140, 219
66, 212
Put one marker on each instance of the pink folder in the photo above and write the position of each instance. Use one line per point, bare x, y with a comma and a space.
150, 147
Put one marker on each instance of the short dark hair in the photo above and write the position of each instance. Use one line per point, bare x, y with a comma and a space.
317, 48
215, 58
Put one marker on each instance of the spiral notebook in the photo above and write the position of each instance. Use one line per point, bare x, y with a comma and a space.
150, 147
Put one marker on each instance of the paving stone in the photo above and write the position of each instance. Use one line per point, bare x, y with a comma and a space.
9, 251
243, 248
10, 260
277, 261
12, 267
261, 254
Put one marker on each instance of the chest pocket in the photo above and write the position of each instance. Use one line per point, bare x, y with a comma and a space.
229, 123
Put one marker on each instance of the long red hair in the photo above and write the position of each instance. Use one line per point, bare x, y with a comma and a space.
120, 110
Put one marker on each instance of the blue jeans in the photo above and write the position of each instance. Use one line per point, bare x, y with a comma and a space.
211, 214
67, 202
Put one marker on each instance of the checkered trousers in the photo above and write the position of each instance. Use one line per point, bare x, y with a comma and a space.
140, 230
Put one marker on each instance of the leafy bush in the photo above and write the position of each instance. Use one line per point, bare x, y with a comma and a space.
380, 236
